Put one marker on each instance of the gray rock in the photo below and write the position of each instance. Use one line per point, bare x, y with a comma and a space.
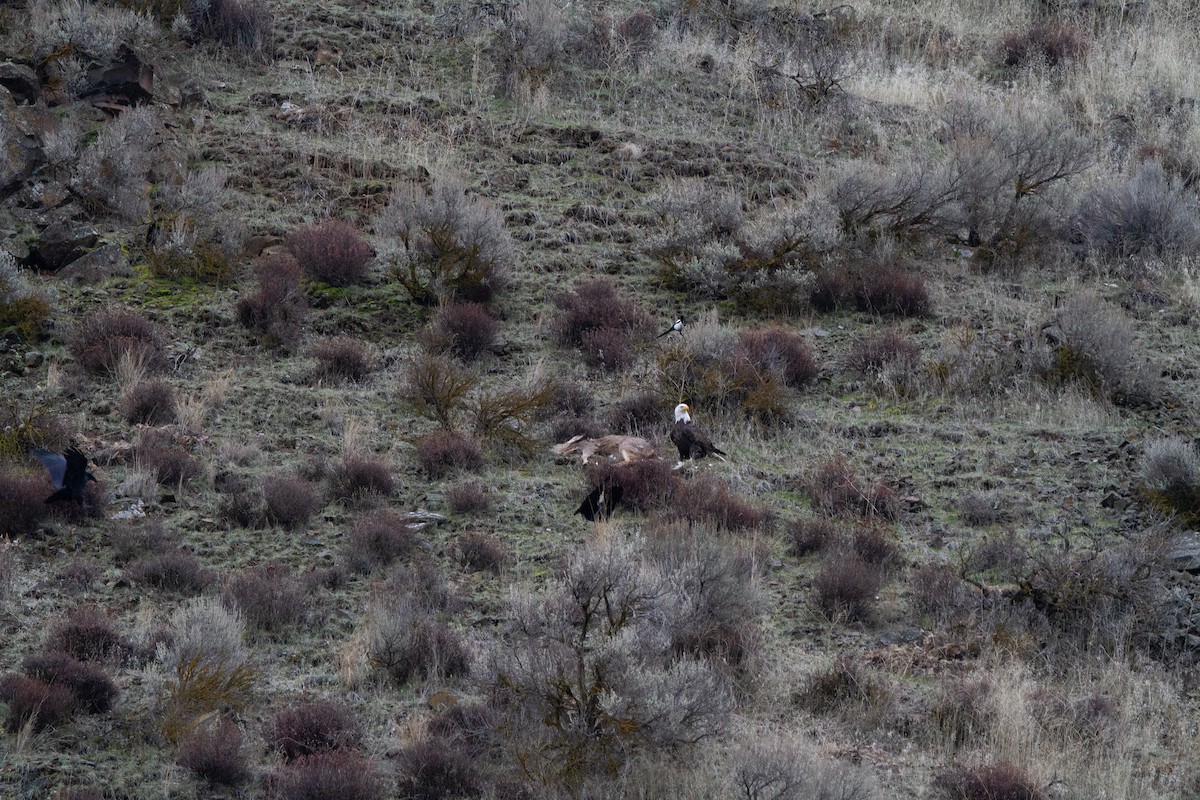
106, 261
20, 80
34, 359
19, 151
63, 241
1185, 554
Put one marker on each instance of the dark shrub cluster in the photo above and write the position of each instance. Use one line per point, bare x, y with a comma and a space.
876, 545
436, 387
104, 337
467, 498
482, 552
22, 502
291, 501
94, 691
409, 642
886, 290
1001, 781
637, 414
807, 536
175, 571
243, 507
1151, 214
331, 775
779, 350
938, 591
593, 305
149, 403
31, 700
170, 463
317, 727
467, 330
215, 755
433, 769
844, 686
845, 588
23, 308
607, 348
706, 500
361, 475
277, 307
86, 634
378, 539
246, 26
344, 358
646, 485
882, 349
1043, 44
332, 252
469, 726
445, 451
836, 489
269, 596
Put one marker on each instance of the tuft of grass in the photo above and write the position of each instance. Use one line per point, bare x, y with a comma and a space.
103, 338
445, 451
482, 552
1001, 781
215, 755
149, 403
344, 358
201, 688
320, 726
845, 588
291, 501
269, 597
378, 539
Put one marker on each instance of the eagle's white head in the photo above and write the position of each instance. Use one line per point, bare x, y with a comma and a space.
683, 413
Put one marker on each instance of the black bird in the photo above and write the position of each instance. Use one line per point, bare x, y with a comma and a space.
600, 504
68, 473
676, 327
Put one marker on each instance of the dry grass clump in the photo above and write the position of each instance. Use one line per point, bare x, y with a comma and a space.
270, 597
468, 499
320, 726
807, 536
435, 768
215, 755
938, 592
291, 500
1001, 781
332, 251
1043, 44
245, 26
596, 318
446, 451
23, 308
405, 641
169, 462
344, 358
836, 489
333, 775
177, 571
845, 588
378, 539
638, 414
357, 475
780, 350
846, 686
22, 502
445, 245
980, 509
710, 501
480, 551
86, 634
1171, 477
276, 309
149, 403
107, 336
963, 709
467, 330
882, 350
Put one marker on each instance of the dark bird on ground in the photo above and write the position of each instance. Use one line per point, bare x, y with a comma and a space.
600, 504
68, 473
692, 443
676, 327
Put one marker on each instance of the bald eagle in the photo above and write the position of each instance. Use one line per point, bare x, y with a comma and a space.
692, 443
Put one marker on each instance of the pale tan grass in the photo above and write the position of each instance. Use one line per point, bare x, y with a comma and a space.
54, 379
217, 388
353, 659
191, 411
356, 437
237, 451
132, 368
140, 483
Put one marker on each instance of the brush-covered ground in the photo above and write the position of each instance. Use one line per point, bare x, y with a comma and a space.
318, 300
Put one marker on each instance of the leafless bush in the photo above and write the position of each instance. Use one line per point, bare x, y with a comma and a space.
246, 26
431, 769
836, 489
503, 419
938, 592
405, 641
378, 539
291, 500
465, 329
875, 545
316, 727
845, 686
647, 485
527, 48
168, 461
980, 509
608, 349
106, 336
93, 690
779, 350
443, 452
468, 498
332, 251
594, 304
899, 199
24, 307
445, 245
269, 597
482, 552
883, 349
177, 571
333, 775
343, 357
991, 782
113, 173
1150, 215
36, 702
277, 307
360, 475
215, 755
845, 588
436, 388
1171, 477
86, 634
637, 414
1049, 44
772, 768
149, 403
808, 536
22, 502
707, 500
963, 709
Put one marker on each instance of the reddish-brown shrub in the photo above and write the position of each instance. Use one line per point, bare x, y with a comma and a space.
591, 304
1044, 43
470, 726
343, 357
277, 308
481, 551
177, 571
938, 591
22, 502
77, 574
807, 536
34, 699
291, 501
332, 775
892, 292
94, 691
243, 25
997, 782
639, 413
467, 498
316, 727
444, 451
637, 32
845, 588
569, 398
170, 463
86, 634
844, 686
215, 755
877, 546
437, 770
379, 539
831, 289
360, 475
332, 251
707, 500
465, 329
244, 508
269, 596
645, 485
104, 336
331, 578
835, 489
779, 350
882, 349
607, 348
149, 403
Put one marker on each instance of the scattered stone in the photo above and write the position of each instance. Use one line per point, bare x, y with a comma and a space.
127, 81
106, 261
34, 359
63, 241
1185, 555
19, 151
20, 81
